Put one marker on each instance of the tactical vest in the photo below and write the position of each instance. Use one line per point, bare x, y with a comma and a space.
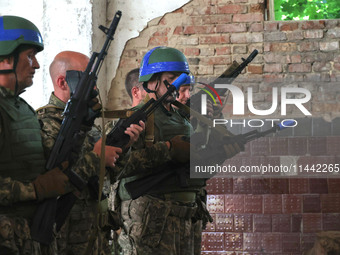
167, 125
22, 157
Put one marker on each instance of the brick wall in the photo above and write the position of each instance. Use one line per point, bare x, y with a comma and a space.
260, 215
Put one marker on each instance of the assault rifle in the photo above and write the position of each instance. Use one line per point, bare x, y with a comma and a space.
227, 77
142, 186
70, 139
118, 138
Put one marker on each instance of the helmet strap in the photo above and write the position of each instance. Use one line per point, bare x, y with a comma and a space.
15, 63
145, 86
7, 71
13, 70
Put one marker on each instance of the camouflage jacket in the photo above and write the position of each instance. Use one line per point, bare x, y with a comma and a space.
146, 160
50, 117
141, 158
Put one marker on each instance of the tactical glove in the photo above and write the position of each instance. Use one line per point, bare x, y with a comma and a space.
53, 183
180, 149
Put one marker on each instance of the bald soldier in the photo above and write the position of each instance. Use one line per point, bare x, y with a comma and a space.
74, 235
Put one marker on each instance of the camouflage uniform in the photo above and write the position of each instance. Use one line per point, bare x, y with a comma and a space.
16, 189
73, 237
157, 222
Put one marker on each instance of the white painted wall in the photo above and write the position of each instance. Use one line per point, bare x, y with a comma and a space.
73, 25
64, 25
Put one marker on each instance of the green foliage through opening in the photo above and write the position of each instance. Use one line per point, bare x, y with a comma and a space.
306, 9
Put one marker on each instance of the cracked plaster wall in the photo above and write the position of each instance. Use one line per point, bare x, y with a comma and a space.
73, 25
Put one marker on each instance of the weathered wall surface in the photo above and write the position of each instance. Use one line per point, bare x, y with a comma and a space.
73, 25
214, 33
260, 215
65, 25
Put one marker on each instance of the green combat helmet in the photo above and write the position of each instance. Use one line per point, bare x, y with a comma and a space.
16, 31
162, 59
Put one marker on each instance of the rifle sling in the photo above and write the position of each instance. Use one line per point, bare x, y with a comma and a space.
120, 114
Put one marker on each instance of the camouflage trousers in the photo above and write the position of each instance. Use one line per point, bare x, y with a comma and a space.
15, 238
74, 237
154, 226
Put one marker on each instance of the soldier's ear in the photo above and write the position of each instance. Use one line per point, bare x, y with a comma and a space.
61, 81
134, 91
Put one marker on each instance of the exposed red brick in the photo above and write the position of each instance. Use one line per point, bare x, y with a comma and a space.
239, 38
313, 24
255, 69
288, 26
256, 27
198, 30
272, 68
273, 78
226, 60
158, 41
257, 8
300, 68
162, 32
308, 46
191, 51
312, 34
223, 50
282, 47
178, 30
231, 9
231, 28
270, 26
216, 19
249, 17
214, 39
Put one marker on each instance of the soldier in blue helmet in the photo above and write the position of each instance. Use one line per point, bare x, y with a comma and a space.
163, 219
23, 180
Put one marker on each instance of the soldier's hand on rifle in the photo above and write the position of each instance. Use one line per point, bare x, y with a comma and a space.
179, 147
93, 112
231, 149
134, 131
111, 153
233, 145
214, 111
53, 183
